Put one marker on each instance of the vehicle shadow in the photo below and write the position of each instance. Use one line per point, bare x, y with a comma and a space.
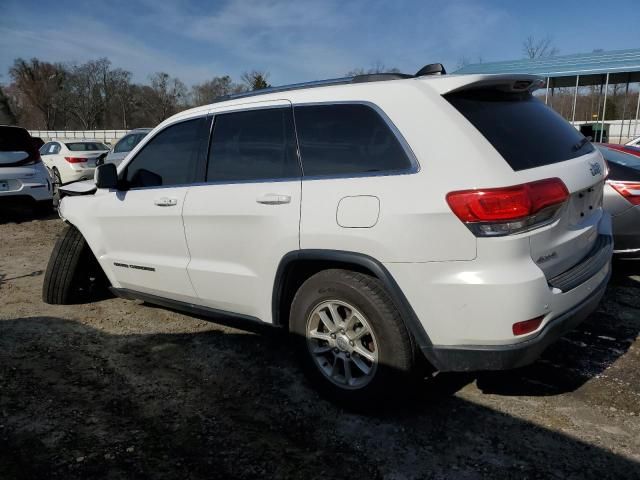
583, 353
77, 402
18, 213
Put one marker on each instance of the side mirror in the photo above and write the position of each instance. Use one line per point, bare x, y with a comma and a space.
100, 159
106, 176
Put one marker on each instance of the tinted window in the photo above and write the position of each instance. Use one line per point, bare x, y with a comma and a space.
86, 146
14, 141
347, 139
44, 150
253, 145
172, 157
521, 128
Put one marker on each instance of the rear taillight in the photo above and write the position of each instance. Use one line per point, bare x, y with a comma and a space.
502, 211
629, 190
75, 159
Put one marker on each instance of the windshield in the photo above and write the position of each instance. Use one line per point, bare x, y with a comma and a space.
86, 146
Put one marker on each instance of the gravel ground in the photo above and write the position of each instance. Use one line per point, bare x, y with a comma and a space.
119, 389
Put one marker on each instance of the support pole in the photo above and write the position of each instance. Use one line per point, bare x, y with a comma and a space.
546, 95
575, 99
635, 126
624, 110
604, 107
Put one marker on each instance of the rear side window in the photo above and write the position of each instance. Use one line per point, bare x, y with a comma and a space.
347, 139
521, 128
172, 157
253, 145
125, 145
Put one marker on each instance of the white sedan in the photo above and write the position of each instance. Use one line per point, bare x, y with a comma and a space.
71, 160
634, 143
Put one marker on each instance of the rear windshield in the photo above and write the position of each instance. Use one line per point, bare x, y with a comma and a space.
86, 146
13, 143
521, 128
622, 166
15, 139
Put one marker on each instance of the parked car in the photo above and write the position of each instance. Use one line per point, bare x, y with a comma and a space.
71, 160
125, 145
634, 143
386, 221
624, 148
622, 200
23, 177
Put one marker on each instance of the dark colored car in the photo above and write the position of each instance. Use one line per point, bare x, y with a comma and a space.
622, 200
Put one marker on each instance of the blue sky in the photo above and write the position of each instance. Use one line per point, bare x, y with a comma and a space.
301, 40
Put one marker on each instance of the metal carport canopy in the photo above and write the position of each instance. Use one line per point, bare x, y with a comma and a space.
622, 66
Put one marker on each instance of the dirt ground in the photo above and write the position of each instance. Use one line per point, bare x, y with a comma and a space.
119, 389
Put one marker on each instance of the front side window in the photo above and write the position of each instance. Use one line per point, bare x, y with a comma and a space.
172, 157
347, 139
253, 145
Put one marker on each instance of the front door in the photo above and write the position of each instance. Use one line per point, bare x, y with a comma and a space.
141, 228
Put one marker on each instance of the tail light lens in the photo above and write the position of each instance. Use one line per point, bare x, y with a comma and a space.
629, 190
508, 210
528, 326
75, 159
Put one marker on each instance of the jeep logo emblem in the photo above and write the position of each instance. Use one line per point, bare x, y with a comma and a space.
595, 169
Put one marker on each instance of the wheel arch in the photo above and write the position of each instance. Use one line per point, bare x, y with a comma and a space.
297, 266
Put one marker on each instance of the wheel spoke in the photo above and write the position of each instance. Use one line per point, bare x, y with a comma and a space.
349, 321
320, 349
334, 367
327, 321
335, 316
364, 368
347, 370
363, 352
360, 333
315, 334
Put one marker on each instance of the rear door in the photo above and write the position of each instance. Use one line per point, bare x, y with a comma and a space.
245, 217
537, 143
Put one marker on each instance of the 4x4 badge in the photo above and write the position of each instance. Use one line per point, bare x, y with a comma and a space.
595, 168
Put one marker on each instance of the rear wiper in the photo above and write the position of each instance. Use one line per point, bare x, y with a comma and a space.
581, 144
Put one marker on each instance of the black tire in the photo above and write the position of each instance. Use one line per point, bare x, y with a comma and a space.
396, 365
73, 274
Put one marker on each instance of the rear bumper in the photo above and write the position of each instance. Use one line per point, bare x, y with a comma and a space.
460, 358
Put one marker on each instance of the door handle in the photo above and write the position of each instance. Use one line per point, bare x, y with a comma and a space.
166, 202
274, 199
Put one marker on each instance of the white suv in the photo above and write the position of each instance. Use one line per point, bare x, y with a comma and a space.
455, 216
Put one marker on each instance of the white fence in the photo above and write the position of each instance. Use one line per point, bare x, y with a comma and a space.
106, 136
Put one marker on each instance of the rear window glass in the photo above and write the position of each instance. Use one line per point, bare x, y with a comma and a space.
347, 139
86, 146
521, 128
622, 166
15, 139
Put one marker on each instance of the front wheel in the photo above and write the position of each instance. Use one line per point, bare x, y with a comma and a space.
352, 340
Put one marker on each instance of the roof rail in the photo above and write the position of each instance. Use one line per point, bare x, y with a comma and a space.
431, 69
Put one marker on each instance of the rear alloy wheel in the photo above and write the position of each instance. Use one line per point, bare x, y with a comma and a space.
342, 344
351, 339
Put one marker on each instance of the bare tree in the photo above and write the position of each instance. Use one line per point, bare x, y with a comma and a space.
207, 92
164, 97
41, 83
377, 67
539, 48
6, 112
255, 79
87, 91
